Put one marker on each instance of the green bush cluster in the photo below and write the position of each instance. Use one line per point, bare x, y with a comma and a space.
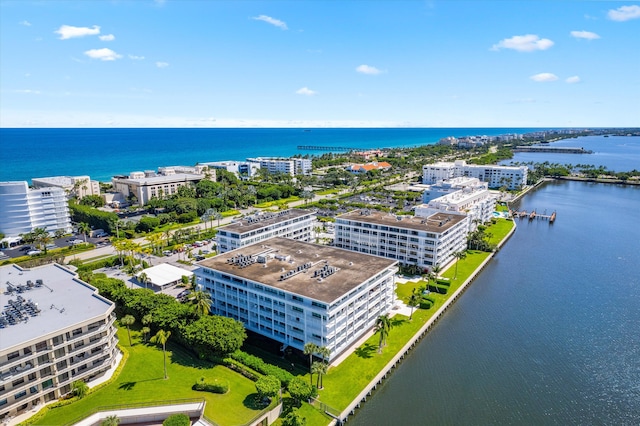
217, 386
177, 420
262, 367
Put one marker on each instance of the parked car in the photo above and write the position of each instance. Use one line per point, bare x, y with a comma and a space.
33, 252
26, 248
167, 252
101, 235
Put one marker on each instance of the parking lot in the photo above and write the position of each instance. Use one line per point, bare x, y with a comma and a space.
24, 249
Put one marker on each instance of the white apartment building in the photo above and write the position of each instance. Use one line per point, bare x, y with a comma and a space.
437, 190
149, 184
422, 241
55, 330
477, 202
22, 209
496, 176
77, 186
295, 224
238, 168
296, 292
291, 166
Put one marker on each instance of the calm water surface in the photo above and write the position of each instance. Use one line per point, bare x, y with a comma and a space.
548, 334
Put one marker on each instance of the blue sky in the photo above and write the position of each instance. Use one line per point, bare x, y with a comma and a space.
376, 63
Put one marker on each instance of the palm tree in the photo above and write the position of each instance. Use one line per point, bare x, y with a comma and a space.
435, 270
143, 278
459, 255
201, 301
161, 337
127, 321
324, 353
84, 229
309, 349
318, 368
79, 388
383, 326
414, 300
110, 421
145, 332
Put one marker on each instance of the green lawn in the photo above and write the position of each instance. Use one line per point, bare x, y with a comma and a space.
343, 383
142, 380
499, 230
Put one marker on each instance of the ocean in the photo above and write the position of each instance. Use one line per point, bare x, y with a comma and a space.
103, 153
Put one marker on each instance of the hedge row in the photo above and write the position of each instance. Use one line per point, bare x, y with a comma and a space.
262, 367
215, 387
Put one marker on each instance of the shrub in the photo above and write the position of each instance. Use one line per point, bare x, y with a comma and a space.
425, 304
177, 420
301, 390
217, 386
262, 367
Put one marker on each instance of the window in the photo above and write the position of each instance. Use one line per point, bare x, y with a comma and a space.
47, 384
13, 355
18, 382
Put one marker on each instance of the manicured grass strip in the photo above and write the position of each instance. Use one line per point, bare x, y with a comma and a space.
343, 383
142, 380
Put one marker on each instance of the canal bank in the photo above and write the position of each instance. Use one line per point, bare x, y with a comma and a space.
396, 360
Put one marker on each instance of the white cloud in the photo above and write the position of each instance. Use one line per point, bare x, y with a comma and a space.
367, 69
162, 64
28, 91
572, 80
524, 43
107, 37
624, 13
273, 21
103, 54
25, 23
587, 35
306, 91
136, 58
544, 77
68, 31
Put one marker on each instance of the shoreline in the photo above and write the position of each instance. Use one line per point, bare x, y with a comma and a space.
415, 339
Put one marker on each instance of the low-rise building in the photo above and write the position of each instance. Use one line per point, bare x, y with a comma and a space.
290, 166
296, 292
22, 209
495, 176
76, 186
296, 224
422, 241
238, 168
55, 329
363, 168
149, 184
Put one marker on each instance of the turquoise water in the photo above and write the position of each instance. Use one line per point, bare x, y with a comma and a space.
102, 153
548, 334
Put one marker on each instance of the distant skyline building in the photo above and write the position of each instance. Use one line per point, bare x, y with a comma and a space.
238, 168
296, 224
76, 186
296, 292
290, 166
22, 209
496, 176
54, 330
422, 241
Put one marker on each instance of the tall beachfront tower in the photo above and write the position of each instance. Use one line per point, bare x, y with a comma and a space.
54, 330
22, 209
296, 292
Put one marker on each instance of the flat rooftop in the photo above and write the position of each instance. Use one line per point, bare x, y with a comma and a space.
284, 255
155, 180
436, 223
64, 300
263, 220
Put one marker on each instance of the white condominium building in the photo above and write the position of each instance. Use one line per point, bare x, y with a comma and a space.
421, 241
296, 292
238, 168
22, 209
437, 190
477, 202
77, 186
55, 329
149, 184
291, 166
296, 224
495, 176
